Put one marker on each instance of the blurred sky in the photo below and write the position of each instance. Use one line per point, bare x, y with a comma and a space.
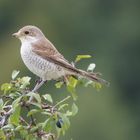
109, 30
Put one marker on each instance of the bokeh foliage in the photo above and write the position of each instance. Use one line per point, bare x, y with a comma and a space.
110, 31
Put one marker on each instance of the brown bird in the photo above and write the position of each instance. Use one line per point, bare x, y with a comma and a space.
43, 59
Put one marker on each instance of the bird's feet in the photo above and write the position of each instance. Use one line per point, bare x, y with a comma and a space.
38, 85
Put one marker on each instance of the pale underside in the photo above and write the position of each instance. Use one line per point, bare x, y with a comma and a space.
39, 66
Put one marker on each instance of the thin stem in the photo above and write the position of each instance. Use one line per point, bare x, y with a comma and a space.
31, 116
62, 101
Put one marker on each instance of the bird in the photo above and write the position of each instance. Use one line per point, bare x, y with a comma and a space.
44, 60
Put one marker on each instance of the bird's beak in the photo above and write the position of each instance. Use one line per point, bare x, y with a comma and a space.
15, 34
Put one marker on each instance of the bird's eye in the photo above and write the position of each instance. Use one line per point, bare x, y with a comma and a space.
26, 32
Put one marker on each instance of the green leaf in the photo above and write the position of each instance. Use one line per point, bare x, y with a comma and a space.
65, 125
30, 137
62, 101
33, 111
14, 95
45, 123
62, 106
18, 128
79, 57
69, 113
59, 84
46, 113
15, 74
66, 122
6, 102
2, 135
74, 109
48, 125
72, 91
16, 102
23, 133
72, 82
48, 98
71, 87
8, 127
14, 118
97, 85
91, 67
36, 104
88, 82
34, 95
6, 87
25, 81
1, 102
34, 129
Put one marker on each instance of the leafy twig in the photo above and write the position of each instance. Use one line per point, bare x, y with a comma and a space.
31, 116
65, 99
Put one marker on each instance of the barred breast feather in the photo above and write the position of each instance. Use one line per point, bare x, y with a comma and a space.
42, 68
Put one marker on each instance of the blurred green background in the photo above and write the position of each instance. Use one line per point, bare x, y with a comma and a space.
109, 30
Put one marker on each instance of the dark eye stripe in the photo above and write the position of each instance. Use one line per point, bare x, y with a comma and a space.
26, 32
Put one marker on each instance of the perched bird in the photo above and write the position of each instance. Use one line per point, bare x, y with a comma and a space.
43, 59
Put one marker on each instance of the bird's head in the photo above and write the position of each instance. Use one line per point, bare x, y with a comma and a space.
29, 33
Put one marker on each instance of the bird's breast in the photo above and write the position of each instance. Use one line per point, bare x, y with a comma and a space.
39, 66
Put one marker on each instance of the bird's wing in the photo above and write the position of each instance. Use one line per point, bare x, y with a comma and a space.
46, 46
47, 51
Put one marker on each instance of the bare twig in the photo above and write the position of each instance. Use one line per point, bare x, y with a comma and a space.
5, 117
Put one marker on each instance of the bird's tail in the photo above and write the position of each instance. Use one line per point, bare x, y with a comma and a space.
92, 76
